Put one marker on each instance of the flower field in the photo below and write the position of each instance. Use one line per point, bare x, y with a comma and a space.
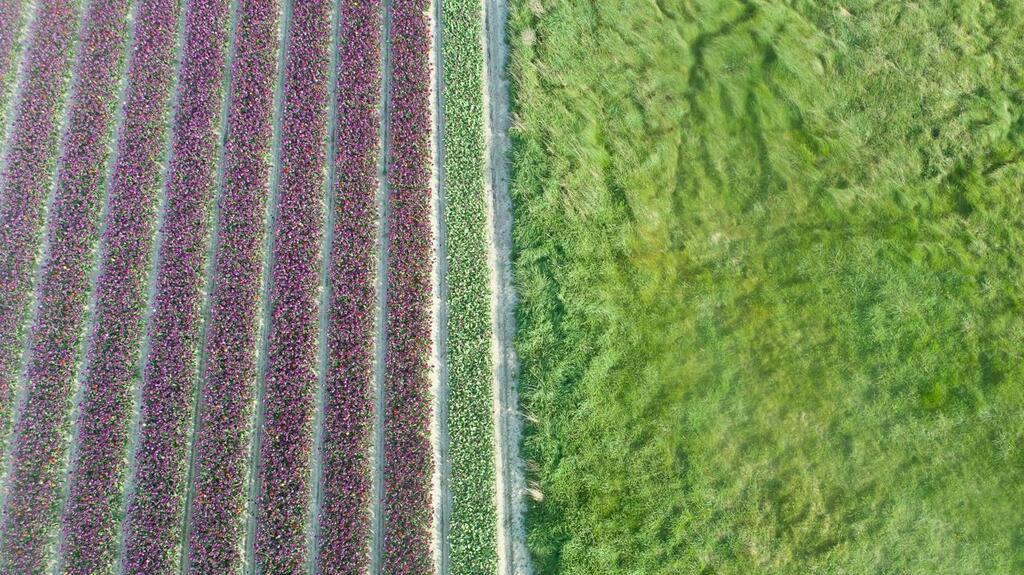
222, 251
504, 287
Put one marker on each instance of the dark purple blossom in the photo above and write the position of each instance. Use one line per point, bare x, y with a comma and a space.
25, 182
155, 507
12, 14
62, 294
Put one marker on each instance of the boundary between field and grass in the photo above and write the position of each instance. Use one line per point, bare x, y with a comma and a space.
285, 22
439, 309
380, 341
513, 556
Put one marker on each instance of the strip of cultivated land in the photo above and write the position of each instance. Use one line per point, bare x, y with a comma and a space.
343, 541
14, 14
222, 447
290, 380
473, 521
408, 462
26, 175
91, 517
155, 506
40, 438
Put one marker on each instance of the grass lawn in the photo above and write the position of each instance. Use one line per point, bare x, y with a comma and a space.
770, 258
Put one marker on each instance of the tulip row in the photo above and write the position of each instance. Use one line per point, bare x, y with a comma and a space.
229, 378
29, 156
343, 538
39, 441
408, 460
92, 513
12, 21
473, 520
290, 379
154, 510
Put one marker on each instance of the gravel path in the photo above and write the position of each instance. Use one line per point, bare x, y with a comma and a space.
513, 558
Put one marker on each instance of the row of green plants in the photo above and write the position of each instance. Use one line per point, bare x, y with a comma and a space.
473, 520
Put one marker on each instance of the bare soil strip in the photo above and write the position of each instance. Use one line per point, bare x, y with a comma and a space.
383, 211
513, 558
268, 242
439, 435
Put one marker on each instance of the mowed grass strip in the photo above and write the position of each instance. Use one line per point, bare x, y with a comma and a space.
228, 383
25, 182
290, 381
473, 522
152, 531
343, 543
40, 439
408, 460
92, 515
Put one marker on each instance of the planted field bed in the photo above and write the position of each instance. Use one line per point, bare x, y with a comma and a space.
408, 461
222, 358
216, 523
26, 169
152, 531
92, 512
13, 16
472, 539
285, 421
343, 539
39, 441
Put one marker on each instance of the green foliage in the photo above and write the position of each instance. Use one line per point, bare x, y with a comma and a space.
768, 261
470, 401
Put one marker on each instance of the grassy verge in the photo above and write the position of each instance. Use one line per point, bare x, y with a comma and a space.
770, 298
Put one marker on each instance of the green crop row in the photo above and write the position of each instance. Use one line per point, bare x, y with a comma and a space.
470, 401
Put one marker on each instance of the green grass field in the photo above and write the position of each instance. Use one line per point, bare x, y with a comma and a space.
769, 257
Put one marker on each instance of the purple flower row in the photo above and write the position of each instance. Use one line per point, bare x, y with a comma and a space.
343, 538
291, 372
12, 14
408, 460
155, 505
228, 382
91, 516
29, 155
62, 294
